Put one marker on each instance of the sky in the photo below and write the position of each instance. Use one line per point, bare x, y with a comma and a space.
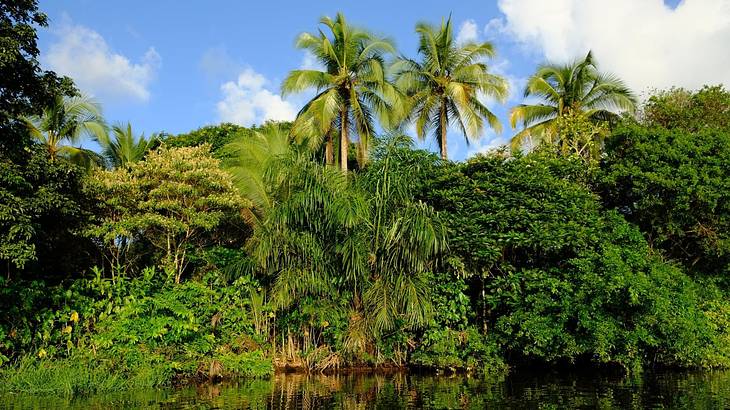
175, 66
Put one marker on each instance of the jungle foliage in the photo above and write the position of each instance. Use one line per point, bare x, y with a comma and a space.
232, 251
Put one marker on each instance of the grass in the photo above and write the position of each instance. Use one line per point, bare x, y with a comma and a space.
77, 376
86, 375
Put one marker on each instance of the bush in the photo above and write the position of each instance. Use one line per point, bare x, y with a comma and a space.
144, 324
444, 348
675, 185
561, 278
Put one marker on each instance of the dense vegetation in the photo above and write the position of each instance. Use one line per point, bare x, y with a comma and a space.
232, 251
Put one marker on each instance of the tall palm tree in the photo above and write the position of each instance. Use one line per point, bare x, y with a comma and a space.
445, 87
68, 120
316, 233
577, 87
125, 148
352, 88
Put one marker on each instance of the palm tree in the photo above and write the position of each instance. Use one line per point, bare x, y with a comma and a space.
68, 120
316, 233
403, 237
352, 88
255, 164
125, 148
445, 87
577, 87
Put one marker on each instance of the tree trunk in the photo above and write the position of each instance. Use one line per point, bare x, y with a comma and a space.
442, 131
343, 140
329, 148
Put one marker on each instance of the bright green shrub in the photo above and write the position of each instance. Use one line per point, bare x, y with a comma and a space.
563, 279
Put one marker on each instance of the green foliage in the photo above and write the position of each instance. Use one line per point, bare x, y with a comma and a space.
577, 135
172, 200
27, 89
68, 119
217, 136
451, 303
409, 260
680, 109
255, 163
27, 197
675, 185
141, 330
562, 278
43, 209
125, 147
451, 341
189, 324
444, 348
317, 234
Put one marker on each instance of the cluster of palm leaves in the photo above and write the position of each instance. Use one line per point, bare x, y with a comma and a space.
318, 232
446, 86
67, 121
564, 90
356, 86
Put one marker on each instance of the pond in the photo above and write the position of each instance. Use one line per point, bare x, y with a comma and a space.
519, 389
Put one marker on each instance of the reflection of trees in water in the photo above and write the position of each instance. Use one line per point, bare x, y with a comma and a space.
398, 390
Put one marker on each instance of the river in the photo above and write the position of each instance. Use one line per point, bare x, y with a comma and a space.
519, 389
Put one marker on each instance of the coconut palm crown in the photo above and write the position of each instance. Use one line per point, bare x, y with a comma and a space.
66, 121
351, 88
448, 85
560, 89
125, 148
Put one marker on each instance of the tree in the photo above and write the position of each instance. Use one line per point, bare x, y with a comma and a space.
68, 119
44, 208
404, 237
581, 137
577, 87
170, 199
38, 201
318, 235
219, 136
125, 148
691, 111
447, 85
352, 88
675, 185
557, 278
255, 164
25, 86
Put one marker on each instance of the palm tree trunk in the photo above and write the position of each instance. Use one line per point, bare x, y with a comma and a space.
329, 155
343, 140
442, 131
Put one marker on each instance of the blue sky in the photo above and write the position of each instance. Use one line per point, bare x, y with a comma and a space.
177, 65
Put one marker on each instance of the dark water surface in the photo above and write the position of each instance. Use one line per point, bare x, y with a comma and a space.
546, 390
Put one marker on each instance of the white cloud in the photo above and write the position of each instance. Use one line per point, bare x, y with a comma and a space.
247, 101
84, 55
494, 28
644, 42
310, 62
488, 142
468, 32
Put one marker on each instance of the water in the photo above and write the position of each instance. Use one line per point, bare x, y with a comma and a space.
545, 390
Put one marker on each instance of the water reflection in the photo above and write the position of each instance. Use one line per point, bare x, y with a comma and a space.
549, 390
